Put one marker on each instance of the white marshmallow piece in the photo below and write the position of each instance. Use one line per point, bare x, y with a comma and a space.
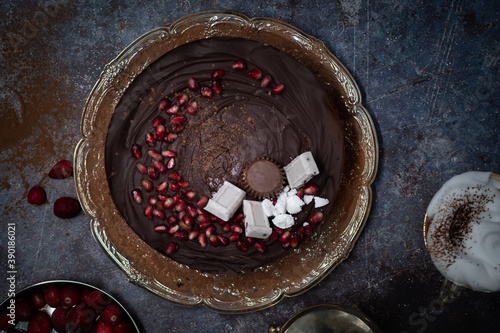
256, 222
320, 202
294, 204
226, 201
301, 170
268, 207
283, 221
281, 203
308, 199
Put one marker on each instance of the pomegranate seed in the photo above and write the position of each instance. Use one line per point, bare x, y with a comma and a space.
181, 215
202, 202
156, 155
180, 205
142, 168
161, 228
137, 196
172, 220
168, 203
169, 153
177, 197
236, 228
182, 99
190, 195
36, 195
173, 109
176, 128
162, 187
266, 81
217, 74
136, 150
193, 234
285, 237
274, 235
66, 207
242, 246
62, 169
315, 218
157, 121
203, 225
308, 231
202, 239
300, 233
254, 74
183, 183
171, 163
170, 248
261, 248
158, 214
311, 189
163, 104
153, 174
210, 231
170, 137
160, 132
278, 89
148, 212
222, 240
206, 92
182, 235
178, 119
239, 65
279, 231
234, 237
193, 84
185, 226
191, 210
192, 108
216, 87
160, 167
294, 240
160, 204
239, 217
152, 201
147, 185
203, 219
249, 240
300, 193
174, 176
214, 240
188, 219
172, 230
150, 139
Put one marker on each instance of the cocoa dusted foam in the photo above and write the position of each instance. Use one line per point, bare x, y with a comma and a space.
197, 117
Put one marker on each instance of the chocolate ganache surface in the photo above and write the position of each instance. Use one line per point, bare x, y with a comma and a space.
227, 132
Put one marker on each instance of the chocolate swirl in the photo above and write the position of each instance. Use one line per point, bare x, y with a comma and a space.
243, 123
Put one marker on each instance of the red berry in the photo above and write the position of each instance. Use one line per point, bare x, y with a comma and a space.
102, 327
5, 321
311, 189
80, 318
163, 104
52, 296
97, 300
192, 108
58, 319
122, 327
158, 120
69, 296
315, 218
206, 92
136, 151
171, 248
173, 109
254, 74
202, 202
66, 207
161, 228
217, 74
38, 299
36, 195
278, 89
182, 99
137, 196
193, 84
40, 323
62, 169
216, 87
25, 310
266, 81
239, 65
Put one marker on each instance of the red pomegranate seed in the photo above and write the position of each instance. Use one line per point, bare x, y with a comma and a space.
170, 248
278, 89
193, 234
170, 137
192, 108
148, 212
177, 197
217, 74
174, 176
210, 231
161, 228
157, 121
239, 217
153, 174
254, 74
279, 231
294, 240
202, 239
156, 155
266, 81
188, 220
191, 210
214, 240
158, 214
180, 205
193, 84
172, 230
308, 231
183, 183
239, 65
190, 195
162, 187
315, 218
261, 248
176, 128
66, 207
173, 109
172, 220
36, 195
234, 237
216, 87
311, 189
206, 92
178, 120
202, 202
142, 168
169, 153
236, 228
150, 139
171, 164
163, 104
152, 200
222, 240
300, 233
300, 193
160, 132
137, 196
174, 187
242, 246
203, 225
203, 219
185, 226
62, 169
250, 240
182, 235
136, 150
274, 235
147, 185
285, 237
160, 167
182, 99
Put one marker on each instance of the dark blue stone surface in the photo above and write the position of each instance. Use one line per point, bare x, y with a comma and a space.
428, 72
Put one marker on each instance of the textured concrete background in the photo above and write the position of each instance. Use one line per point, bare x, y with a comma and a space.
428, 72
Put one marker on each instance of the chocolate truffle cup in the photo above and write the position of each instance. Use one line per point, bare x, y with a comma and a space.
303, 267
